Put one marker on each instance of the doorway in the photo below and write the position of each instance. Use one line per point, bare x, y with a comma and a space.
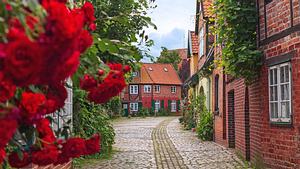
231, 121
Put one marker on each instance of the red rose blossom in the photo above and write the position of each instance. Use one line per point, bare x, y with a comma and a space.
89, 11
7, 89
74, 147
32, 103
126, 69
21, 55
7, 130
93, 145
85, 41
88, 82
58, 94
45, 132
16, 162
2, 155
46, 156
62, 159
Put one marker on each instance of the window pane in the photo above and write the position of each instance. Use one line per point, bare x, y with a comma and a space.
271, 77
275, 76
284, 92
282, 75
287, 74
274, 93
274, 110
285, 109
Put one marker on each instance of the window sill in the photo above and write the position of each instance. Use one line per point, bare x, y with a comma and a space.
281, 124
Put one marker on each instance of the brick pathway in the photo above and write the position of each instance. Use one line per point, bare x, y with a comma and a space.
161, 143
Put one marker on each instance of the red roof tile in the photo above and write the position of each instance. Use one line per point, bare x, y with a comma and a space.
156, 73
206, 8
194, 42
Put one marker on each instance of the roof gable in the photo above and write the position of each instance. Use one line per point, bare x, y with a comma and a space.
193, 43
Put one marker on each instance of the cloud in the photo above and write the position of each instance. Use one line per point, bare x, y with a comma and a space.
172, 40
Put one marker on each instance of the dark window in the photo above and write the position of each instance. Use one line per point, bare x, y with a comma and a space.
217, 93
268, 1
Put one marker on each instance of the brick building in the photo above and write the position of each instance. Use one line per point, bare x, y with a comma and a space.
262, 121
155, 87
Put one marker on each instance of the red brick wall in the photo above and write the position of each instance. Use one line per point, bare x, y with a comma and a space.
280, 145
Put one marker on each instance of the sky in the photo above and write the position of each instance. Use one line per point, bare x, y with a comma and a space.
173, 19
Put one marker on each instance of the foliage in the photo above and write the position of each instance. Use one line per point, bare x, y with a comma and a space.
143, 112
114, 107
205, 122
235, 25
190, 110
163, 112
93, 118
171, 57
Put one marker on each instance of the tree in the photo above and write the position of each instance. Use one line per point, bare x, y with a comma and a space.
167, 56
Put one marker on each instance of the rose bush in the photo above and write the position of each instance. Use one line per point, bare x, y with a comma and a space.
38, 53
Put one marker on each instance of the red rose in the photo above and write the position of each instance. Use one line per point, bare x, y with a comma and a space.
126, 69
92, 27
7, 130
88, 82
111, 86
62, 159
74, 148
45, 132
7, 89
32, 103
46, 156
89, 11
85, 41
58, 94
115, 66
62, 24
68, 68
22, 61
93, 145
16, 162
2, 155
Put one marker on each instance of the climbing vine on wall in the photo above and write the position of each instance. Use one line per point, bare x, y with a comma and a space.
235, 25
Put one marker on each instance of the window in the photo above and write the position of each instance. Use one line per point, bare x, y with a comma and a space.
125, 106
134, 74
173, 106
201, 42
173, 89
147, 88
134, 106
217, 93
134, 89
157, 88
157, 105
280, 93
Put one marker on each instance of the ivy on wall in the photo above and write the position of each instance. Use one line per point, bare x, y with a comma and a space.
235, 25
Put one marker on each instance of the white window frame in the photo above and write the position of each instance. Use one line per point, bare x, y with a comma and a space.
157, 105
134, 89
157, 88
147, 89
279, 101
201, 42
134, 107
173, 106
173, 89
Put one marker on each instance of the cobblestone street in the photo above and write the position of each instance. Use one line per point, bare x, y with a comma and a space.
161, 143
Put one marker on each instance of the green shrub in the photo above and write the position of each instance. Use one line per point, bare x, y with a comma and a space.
205, 122
89, 119
143, 112
163, 112
114, 107
181, 120
205, 126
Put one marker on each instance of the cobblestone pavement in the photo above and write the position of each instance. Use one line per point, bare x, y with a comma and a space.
151, 143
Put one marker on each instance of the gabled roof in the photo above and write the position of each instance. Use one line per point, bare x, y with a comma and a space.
156, 73
206, 8
193, 43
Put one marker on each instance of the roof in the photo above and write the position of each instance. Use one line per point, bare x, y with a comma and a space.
193, 43
181, 52
157, 73
206, 8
